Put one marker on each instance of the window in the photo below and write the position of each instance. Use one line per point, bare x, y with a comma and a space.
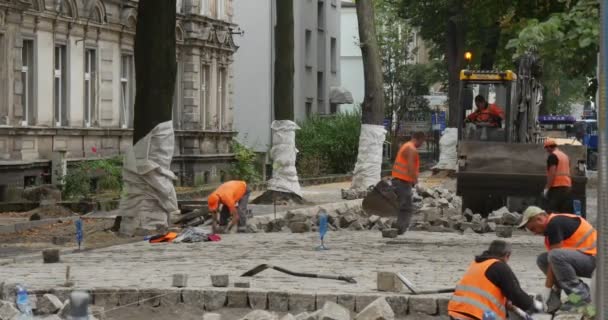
334, 58
205, 91
204, 7
320, 92
127, 94
221, 9
60, 83
27, 80
321, 15
308, 109
221, 97
307, 48
177, 98
90, 83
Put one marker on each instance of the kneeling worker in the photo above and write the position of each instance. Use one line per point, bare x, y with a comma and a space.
234, 196
571, 249
488, 285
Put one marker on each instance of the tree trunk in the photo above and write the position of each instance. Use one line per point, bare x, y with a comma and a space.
372, 108
368, 168
488, 57
284, 61
455, 38
155, 65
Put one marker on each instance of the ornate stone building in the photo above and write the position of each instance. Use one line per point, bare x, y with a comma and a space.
67, 84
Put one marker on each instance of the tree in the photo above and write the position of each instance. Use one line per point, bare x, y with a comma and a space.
284, 62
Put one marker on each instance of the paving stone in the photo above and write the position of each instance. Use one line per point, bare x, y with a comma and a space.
299, 227
288, 316
49, 304
8, 310
278, 301
299, 302
333, 311
242, 284
214, 299
128, 297
259, 315
50, 256
304, 316
426, 305
347, 301
193, 298
107, 298
258, 300
362, 301
567, 316
237, 299
390, 233
33, 300
503, 231
180, 280
377, 310
9, 291
399, 304
325, 297
442, 305
62, 293
220, 280
539, 316
388, 281
212, 316
170, 297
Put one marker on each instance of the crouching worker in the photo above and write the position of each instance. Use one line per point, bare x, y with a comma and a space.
233, 196
489, 286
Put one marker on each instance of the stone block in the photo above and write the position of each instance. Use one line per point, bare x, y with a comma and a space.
390, 233
362, 301
242, 284
425, 305
193, 298
149, 297
259, 315
62, 293
377, 310
347, 301
442, 305
220, 280
8, 310
333, 311
503, 231
237, 299
539, 316
258, 300
288, 316
180, 280
128, 297
399, 304
212, 316
107, 298
560, 315
278, 301
299, 227
322, 298
299, 302
388, 281
170, 297
214, 299
304, 316
50, 256
49, 304
9, 291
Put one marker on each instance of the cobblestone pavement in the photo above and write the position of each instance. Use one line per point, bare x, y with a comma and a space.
430, 260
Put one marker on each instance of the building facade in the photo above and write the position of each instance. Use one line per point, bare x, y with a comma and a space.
67, 84
316, 69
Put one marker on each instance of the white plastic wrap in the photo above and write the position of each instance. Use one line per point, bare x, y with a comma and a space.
368, 169
448, 155
148, 181
283, 154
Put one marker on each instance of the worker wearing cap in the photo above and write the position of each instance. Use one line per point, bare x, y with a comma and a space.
405, 175
571, 249
558, 186
233, 196
488, 113
487, 286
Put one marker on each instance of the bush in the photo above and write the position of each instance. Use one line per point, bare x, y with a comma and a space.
245, 166
328, 145
94, 175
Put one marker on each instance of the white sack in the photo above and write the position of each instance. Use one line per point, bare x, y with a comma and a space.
283, 154
148, 181
368, 169
448, 155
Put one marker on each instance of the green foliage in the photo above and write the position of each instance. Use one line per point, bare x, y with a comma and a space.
245, 166
587, 310
328, 145
92, 176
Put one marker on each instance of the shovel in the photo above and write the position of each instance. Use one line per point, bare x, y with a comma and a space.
263, 267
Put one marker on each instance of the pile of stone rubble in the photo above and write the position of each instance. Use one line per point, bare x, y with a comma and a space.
47, 306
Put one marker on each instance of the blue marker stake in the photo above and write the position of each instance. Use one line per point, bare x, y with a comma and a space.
79, 233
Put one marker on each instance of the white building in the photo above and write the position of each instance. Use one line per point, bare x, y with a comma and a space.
317, 68
67, 83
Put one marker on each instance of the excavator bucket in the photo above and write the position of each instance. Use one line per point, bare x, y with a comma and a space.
382, 200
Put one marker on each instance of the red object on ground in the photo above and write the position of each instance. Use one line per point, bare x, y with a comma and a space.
215, 237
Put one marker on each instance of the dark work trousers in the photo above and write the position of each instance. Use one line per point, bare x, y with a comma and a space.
559, 200
241, 209
403, 190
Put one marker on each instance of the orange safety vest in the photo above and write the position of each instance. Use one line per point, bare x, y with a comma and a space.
400, 168
230, 193
562, 172
584, 239
488, 114
168, 237
475, 294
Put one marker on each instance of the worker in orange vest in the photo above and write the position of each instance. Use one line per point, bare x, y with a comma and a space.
571, 249
405, 176
233, 196
559, 184
490, 285
487, 113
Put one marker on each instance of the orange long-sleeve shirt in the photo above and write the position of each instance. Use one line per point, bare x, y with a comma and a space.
229, 194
